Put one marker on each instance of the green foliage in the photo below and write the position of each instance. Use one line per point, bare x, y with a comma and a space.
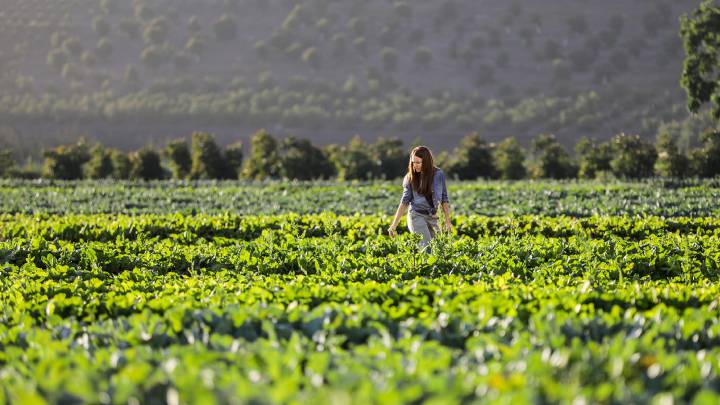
100, 165
207, 159
593, 157
550, 160
122, 165
701, 39
233, 157
354, 161
145, 165
509, 160
671, 162
264, 157
392, 157
706, 160
180, 159
66, 162
633, 157
472, 159
300, 160
7, 163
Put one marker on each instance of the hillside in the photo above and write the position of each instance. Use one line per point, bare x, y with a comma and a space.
129, 72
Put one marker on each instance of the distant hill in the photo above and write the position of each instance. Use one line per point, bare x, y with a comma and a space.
130, 72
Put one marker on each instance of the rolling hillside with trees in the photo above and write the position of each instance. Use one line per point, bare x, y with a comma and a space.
125, 73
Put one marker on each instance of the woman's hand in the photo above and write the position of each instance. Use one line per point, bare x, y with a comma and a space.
448, 225
392, 232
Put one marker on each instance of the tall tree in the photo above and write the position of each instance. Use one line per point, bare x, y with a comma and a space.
207, 159
299, 159
472, 159
509, 159
66, 162
180, 160
550, 159
701, 39
633, 157
264, 160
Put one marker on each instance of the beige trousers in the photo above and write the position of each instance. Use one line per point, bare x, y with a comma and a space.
425, 225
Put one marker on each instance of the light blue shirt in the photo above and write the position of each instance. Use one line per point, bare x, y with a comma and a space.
418, 201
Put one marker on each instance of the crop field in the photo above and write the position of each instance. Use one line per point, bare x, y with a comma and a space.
271, 293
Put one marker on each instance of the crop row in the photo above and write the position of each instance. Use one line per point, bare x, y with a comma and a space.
298, 308
577, 199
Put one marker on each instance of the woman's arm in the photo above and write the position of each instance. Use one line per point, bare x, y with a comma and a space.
401, 211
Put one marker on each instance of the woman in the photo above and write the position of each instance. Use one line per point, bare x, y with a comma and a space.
424, 190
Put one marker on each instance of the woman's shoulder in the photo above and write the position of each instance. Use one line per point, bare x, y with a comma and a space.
438, 172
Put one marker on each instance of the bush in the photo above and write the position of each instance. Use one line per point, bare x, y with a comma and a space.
100, 165
7, 163
354, 161
509, 158
178, 154
300, 160
594, 157
670, 161
707, 158
472, 159
121, 165
391, 156
66, 162
233, 160
264, 157
633, 157
145, 165
207, 160
550, 159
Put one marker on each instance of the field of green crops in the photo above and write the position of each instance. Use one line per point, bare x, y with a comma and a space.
292, 293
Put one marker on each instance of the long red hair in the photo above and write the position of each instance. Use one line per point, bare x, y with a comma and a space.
422, 182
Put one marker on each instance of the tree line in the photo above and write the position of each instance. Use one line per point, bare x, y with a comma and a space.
623, 156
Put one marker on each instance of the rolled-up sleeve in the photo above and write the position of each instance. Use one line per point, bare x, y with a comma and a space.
444, 196
407, 192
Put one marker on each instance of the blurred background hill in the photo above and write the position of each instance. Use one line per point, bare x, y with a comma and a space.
125, 73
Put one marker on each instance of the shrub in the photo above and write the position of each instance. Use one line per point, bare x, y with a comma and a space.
392, 158
670, 161
66, 161
633, 157
207, 160
509, 158
100, 165
178, 154
550, 159
472, 159
594, 157
264, 160
233, 160
300, 160
145, 164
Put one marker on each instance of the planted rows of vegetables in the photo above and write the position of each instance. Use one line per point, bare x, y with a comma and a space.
291, 308
690, 198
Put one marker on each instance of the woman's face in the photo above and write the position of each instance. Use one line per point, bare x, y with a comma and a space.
416, 164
